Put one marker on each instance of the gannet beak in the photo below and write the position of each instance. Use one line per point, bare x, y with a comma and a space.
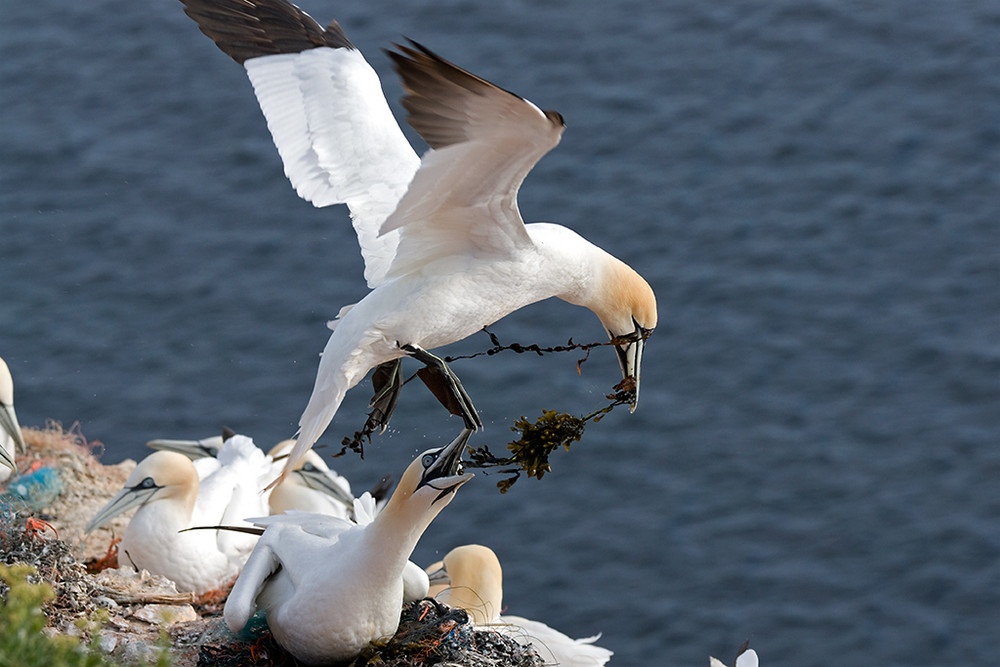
444, 473
439, 577
8, 421
127, 498
6, 459
193, 449
630, 359
319, 480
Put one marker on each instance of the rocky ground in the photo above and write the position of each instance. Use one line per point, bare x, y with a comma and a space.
131, 615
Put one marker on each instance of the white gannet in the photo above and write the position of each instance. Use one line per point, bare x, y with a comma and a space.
311, 487
10, 430
446, 250
746, 658
330, 586
475, 581
166, 489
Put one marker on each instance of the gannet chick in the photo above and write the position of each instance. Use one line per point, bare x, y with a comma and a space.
166, 489
446, 250
330, 586
10, 430
476, 585
747, 658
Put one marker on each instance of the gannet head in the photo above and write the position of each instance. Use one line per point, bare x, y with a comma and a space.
476, 582
311, 472
431, 480
161, 475
193, 449
626, 306
8, 418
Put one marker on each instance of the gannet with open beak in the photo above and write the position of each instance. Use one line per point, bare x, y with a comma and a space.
166, 489
446, 251
10, 430
475, 584
330, 586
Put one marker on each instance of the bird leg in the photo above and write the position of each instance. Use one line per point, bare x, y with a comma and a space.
387, 381
445, 386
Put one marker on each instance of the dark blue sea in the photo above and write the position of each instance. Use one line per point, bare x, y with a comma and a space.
812, 187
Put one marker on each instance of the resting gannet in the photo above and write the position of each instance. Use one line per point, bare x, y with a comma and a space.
476, 585
10, 430
446, 251
311, 487
330, 586
748, 658
166, 489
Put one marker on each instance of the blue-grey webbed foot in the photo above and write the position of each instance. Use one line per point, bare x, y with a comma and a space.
445, 386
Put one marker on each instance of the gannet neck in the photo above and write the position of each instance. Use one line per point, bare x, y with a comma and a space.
6, 384
10, 430
586, 275
476, 582
426, 487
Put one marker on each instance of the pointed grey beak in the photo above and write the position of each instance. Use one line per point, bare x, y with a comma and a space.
8, 422
127, 498
630, 360
320, 480
6, 458
193, 449
439, 577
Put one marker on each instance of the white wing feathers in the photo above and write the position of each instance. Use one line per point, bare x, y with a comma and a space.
337, 139
326, 111
340, 143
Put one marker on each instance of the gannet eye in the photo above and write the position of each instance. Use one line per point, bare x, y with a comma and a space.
147, 483
428, 460
308, 467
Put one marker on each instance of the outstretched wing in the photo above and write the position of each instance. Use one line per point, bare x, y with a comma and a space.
484, 140
326, 111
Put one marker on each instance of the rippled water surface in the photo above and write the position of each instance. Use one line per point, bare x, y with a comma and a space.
810, 187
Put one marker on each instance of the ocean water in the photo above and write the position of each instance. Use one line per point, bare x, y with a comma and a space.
811, 187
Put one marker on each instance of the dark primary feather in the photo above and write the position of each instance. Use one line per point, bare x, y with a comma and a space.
246, 29
437, 94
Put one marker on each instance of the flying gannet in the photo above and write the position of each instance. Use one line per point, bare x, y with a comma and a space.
166, 489
10, 430
330, 586
475, 584
446, 251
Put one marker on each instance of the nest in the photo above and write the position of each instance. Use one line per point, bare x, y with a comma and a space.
27, 540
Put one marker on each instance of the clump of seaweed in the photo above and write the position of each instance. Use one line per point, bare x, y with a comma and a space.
530, 453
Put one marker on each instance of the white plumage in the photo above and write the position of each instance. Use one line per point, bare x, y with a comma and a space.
166, 489
446, 251
330, 586
10, 431
474, 581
